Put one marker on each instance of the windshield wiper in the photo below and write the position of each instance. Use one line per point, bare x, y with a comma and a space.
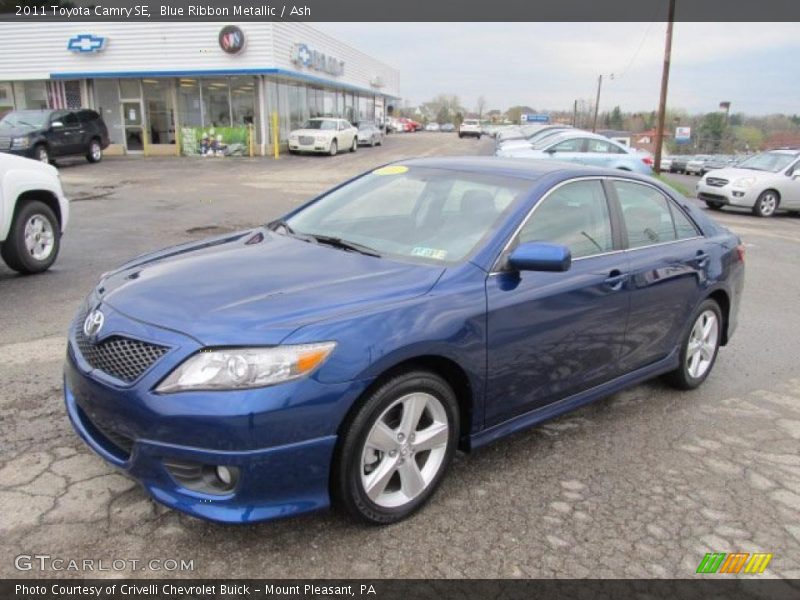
344, 244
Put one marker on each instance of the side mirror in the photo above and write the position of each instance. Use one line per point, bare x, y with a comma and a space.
56, 124
540, 256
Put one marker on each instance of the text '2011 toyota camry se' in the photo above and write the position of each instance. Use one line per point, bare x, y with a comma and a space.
342, 353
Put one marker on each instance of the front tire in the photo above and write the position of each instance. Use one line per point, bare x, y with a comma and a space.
41, 153
713, 205
34, 239
334, 149
699, 347
95, 153
354, 147
393, 452
767, 204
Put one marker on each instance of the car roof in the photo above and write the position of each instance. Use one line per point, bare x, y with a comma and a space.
519, 168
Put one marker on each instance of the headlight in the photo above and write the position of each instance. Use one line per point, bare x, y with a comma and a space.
321, 138
744, 182
292, 136
244, 368
20, 143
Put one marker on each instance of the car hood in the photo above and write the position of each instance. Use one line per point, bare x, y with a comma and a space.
732, 173
19, 131
256, 287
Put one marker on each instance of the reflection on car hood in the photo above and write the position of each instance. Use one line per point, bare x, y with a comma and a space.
256, 287
732, 173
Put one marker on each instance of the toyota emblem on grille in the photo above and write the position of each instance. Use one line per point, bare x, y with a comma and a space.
93, 323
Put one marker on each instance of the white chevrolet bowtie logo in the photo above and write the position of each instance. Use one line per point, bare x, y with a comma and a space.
93, 323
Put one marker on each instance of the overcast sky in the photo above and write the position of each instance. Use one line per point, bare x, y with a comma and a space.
756, 66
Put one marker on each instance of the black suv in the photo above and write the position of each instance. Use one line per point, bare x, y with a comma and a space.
48, 134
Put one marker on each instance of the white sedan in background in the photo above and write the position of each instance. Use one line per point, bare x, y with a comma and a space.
325, 135
764, 183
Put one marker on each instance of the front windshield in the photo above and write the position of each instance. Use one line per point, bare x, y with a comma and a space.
25, 119
767, 161
421, 214
320, 124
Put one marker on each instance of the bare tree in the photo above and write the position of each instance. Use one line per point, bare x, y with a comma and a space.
480, 106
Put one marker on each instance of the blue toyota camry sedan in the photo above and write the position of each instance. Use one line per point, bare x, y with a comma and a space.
343, 353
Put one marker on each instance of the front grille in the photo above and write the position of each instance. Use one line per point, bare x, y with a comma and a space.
716, 181
121, 357
306, 140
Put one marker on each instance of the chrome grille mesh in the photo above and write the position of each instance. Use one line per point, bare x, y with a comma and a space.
121, 357
306, 140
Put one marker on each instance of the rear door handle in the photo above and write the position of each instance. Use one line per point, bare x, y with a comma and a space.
701, 259
616, 279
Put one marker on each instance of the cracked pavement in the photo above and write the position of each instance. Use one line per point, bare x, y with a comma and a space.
640, 484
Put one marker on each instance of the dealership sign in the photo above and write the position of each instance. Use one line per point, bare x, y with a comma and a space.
86, 42
683, 134
231, 39
533, 118
303, 56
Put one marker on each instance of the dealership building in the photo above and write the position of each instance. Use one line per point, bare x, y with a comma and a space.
157, 84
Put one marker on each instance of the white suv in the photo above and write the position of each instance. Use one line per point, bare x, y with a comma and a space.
764, 183
470, 127
33, 214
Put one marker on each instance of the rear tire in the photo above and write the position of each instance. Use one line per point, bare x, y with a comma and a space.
354, 147
394, 450
34, 239
699, 347
95, 152
767, 203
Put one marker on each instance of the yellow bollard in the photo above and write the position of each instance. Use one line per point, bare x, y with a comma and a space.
276, 150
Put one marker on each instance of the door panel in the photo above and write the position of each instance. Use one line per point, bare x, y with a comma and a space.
553, 334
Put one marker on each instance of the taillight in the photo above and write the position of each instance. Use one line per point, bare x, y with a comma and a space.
740, 252
648, 161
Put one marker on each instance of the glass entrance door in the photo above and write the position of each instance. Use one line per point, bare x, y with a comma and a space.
134, 129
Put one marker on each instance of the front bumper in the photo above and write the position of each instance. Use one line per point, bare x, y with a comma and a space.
314, 147
280, 439
726, 195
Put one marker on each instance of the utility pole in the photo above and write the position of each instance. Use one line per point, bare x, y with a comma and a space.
597, 103
662, 103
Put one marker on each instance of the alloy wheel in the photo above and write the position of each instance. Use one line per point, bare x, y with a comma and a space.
39, 237
404, 450
702, 344
767, 203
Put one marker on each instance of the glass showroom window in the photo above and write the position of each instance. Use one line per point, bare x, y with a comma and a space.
106, 99
31, 94
190, 108
160, 110
243, 100
298, 106
216, 103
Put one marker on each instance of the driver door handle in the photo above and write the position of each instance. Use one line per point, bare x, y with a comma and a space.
616, 279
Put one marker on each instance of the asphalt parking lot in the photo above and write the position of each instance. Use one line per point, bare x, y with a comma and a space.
641, 484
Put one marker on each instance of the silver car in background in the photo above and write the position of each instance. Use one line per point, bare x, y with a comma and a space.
585, 148
369, 134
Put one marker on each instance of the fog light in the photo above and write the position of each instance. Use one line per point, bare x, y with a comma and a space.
225, 476
738, 194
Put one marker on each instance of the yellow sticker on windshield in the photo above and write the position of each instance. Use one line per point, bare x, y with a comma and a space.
391, 170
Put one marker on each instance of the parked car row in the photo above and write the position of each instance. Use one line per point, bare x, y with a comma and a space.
697, 165
328, 135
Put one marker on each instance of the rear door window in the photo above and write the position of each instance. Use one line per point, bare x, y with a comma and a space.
650, 217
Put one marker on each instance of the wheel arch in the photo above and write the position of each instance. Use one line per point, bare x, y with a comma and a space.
723, 300
446, 368
770, 189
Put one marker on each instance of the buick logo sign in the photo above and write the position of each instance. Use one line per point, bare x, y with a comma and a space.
231, 39
93, 323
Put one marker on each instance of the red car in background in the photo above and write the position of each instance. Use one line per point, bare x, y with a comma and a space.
409, 125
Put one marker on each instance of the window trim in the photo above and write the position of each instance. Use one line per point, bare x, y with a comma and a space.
497, 268
671, 205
